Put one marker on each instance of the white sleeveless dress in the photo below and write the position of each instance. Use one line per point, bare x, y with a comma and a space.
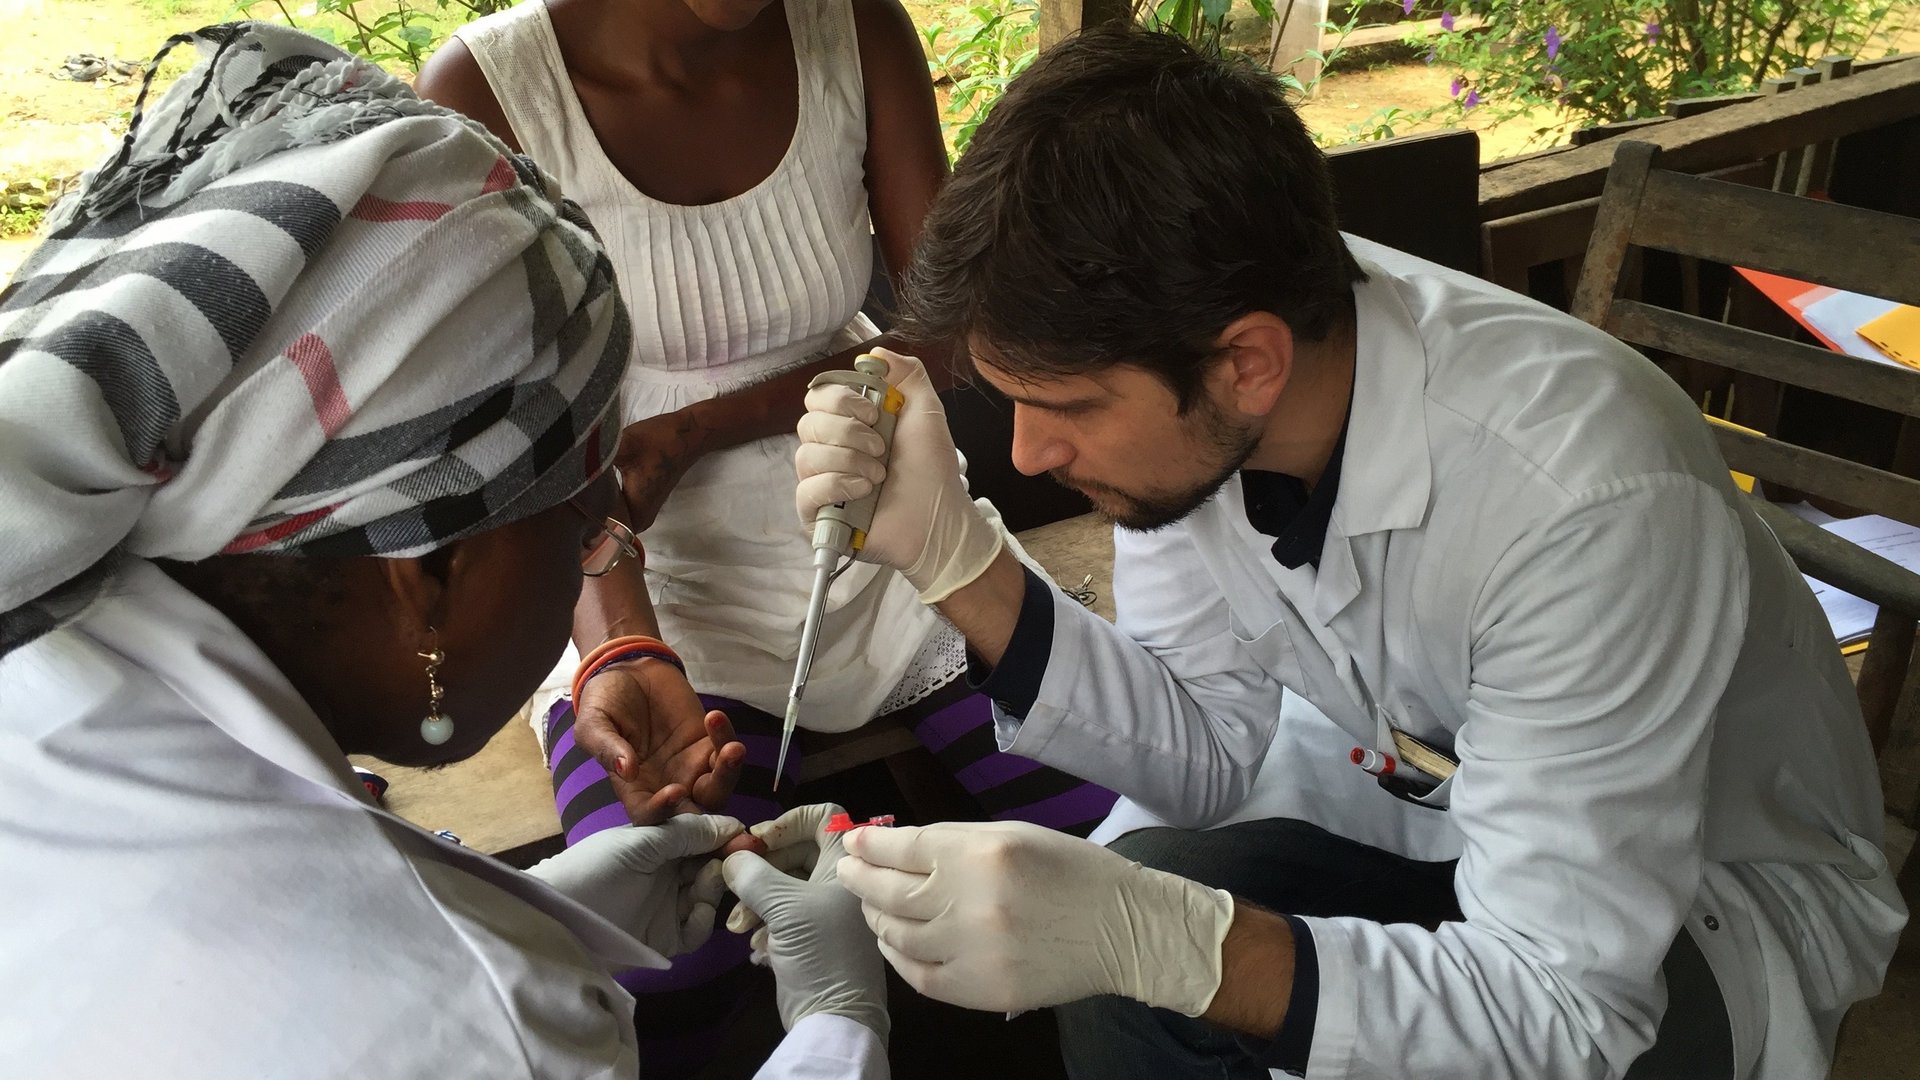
723, 296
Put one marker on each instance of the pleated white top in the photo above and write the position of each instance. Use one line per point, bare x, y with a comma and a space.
725, 295
726, 292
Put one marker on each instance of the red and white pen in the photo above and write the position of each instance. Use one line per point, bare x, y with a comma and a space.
1373, 761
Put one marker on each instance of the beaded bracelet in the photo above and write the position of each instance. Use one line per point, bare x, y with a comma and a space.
620, 650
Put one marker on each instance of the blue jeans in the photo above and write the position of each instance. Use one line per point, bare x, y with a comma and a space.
1301, 869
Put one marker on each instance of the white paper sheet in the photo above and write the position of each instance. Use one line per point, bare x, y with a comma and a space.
1839, 315
1898, 542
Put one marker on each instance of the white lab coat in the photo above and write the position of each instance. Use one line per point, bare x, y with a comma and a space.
1536, 559
197, 886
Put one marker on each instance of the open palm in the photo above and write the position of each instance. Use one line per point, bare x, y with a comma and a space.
664, 752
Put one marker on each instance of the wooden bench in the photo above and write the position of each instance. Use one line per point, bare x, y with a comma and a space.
1829, 244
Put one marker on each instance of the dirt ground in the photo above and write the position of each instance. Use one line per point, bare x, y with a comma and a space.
57, 128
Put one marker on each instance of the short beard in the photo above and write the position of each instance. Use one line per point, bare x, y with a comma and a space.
1231, 447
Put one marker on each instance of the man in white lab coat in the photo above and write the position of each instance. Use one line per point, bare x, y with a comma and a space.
1640, 835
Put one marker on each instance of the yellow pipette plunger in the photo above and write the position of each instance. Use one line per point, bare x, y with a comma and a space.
839, 531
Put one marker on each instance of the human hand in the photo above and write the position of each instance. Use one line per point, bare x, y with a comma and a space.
664, 752
824, 958
792, 843
652, 456
1008, 916
924, 524
656, 882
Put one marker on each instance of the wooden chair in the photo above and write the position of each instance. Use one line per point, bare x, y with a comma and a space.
1839, 246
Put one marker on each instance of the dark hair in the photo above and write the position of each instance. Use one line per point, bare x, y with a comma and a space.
1125, 201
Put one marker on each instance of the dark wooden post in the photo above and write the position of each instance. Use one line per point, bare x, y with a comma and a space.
1060, 18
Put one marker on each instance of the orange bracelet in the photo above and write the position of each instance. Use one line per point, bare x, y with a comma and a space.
636, 644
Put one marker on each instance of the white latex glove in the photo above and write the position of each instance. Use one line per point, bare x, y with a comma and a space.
824, 958
794, 841
1009, 916
924, 525
653, 881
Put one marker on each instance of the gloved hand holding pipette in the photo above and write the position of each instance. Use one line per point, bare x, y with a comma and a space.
924, 524
863, 435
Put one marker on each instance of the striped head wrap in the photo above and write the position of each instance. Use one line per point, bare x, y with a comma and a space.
299, 311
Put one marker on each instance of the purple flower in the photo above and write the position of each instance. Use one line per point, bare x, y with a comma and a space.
1457, 86
1653, 31
1446, 20
1473, 98
1553, 42
1432, 55
1406, 6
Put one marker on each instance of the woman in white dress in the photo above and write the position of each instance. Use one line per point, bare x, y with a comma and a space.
742, 159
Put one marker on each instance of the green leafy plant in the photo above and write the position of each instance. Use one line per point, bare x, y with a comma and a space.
976, 50
1598, 61
397, 34
1201, 22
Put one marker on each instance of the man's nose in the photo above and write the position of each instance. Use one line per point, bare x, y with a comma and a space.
1037, 446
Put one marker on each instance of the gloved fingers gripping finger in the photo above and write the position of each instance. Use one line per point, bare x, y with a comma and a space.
893, 891
797, 860
786, 860
798, 825
826, 866
827, 429
839, 399
757, 883
697, 834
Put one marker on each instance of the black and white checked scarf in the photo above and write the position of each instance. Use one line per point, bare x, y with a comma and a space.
299, 311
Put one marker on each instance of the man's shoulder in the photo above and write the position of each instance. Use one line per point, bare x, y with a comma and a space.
1514, 384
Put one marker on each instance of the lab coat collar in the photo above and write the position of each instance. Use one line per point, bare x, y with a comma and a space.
1386, 474
1386, 471
151, 622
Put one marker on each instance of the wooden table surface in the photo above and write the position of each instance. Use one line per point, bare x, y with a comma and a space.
500, 799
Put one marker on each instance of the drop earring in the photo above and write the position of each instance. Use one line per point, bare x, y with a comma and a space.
437, 728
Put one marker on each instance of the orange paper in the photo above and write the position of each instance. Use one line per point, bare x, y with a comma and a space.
1897, 333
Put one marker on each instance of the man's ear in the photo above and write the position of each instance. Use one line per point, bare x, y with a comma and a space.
420, 589
1258, 353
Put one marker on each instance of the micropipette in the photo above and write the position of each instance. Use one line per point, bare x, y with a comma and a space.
839, 531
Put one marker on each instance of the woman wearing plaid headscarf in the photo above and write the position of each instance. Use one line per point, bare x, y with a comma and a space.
259, 510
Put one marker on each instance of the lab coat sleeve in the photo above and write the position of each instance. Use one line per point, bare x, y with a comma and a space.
1600, 647
1166, 707
825, 1047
